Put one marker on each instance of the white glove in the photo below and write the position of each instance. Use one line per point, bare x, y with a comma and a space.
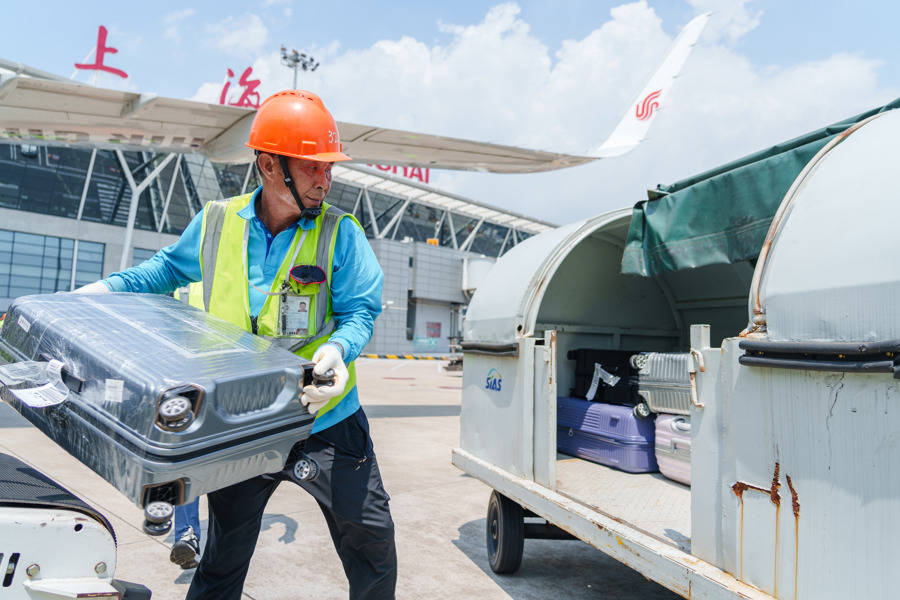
326, 357
98, 287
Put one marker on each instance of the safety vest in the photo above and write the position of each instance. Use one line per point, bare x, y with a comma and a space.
223, 291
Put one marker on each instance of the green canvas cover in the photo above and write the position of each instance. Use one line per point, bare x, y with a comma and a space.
721, 216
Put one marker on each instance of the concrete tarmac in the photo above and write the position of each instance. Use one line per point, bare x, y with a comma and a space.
439, 512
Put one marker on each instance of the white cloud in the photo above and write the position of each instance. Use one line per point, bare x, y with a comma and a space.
172, 22
208, 92
495, 81
731, 19
243, 37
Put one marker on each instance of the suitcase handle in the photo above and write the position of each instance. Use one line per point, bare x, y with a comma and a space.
311, 378
681, 424
324, 380
74, 383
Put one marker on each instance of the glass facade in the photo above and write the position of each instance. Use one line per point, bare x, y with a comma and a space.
50, 181
42, 264
419, 222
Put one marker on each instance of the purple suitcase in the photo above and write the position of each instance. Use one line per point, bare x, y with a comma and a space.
673, 447
608, 434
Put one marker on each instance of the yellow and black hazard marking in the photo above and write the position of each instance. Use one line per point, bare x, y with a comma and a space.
409, 356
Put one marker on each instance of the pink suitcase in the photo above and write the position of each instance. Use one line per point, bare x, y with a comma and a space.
673, 447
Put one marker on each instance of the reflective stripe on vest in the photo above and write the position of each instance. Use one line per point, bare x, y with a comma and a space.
225, 285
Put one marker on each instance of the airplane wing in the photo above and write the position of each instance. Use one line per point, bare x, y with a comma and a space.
66, 113
42, 108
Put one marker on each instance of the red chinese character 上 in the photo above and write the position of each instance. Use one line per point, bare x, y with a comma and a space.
101, 51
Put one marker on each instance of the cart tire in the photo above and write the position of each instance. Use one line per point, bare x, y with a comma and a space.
152, 528
641, 410
505, 534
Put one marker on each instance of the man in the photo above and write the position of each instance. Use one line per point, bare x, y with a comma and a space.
259, 256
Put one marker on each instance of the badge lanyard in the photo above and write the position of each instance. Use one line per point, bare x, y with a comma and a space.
244, 257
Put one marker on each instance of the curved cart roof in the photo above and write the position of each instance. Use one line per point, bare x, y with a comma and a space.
833, 273
505, 306
569, 280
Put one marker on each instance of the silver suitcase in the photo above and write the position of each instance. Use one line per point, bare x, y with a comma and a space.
164, 401
664, 381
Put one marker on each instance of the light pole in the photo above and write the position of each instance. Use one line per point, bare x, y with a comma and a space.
297, 61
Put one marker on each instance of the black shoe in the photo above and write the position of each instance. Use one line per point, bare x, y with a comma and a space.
186, 550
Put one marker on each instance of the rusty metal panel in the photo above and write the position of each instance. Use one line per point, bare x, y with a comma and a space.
804, 480
708, 441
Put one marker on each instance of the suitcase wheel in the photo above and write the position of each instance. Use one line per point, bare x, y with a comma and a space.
638, 361
176, 412
641, 410
305, 469
157, 528
158, 511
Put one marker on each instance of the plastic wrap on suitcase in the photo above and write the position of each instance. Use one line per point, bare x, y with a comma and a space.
608, 434
673, 447
164, 401
614, 362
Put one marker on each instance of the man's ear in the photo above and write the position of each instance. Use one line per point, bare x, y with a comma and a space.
267, 165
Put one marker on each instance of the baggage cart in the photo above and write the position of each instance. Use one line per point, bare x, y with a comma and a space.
793, 426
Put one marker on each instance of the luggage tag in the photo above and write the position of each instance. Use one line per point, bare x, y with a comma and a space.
298, 300
600, 374
37, 384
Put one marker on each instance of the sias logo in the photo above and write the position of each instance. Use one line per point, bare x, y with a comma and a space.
644, 110
493, 381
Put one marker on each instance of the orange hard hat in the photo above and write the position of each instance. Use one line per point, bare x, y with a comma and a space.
296, 123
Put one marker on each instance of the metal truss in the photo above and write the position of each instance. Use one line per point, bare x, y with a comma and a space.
409, 193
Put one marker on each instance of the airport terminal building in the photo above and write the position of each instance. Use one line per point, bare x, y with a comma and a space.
67, 218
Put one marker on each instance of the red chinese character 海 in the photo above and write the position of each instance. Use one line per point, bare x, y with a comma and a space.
101, 51
250, 97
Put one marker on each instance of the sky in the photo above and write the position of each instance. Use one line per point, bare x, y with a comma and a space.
547, 75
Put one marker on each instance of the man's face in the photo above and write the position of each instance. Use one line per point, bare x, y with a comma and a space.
312, 179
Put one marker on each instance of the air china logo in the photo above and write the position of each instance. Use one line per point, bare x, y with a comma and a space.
644, 110
493, 381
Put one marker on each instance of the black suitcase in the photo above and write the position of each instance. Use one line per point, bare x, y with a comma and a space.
615, 362
164, 401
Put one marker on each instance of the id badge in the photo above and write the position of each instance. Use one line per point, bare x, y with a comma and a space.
295, 314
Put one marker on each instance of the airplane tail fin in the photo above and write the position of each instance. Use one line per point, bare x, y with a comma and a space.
633, 127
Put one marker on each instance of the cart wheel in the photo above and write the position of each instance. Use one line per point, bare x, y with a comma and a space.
641, 410
505, 534
158, 512
152, 528
305, 469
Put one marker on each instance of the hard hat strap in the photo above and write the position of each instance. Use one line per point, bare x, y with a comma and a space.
305, 213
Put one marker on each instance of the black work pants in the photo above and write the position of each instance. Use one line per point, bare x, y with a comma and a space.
352, 498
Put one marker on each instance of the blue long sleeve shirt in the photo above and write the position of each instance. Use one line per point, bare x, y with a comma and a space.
355, 284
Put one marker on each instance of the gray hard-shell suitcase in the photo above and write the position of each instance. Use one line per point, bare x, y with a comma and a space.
164, 401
